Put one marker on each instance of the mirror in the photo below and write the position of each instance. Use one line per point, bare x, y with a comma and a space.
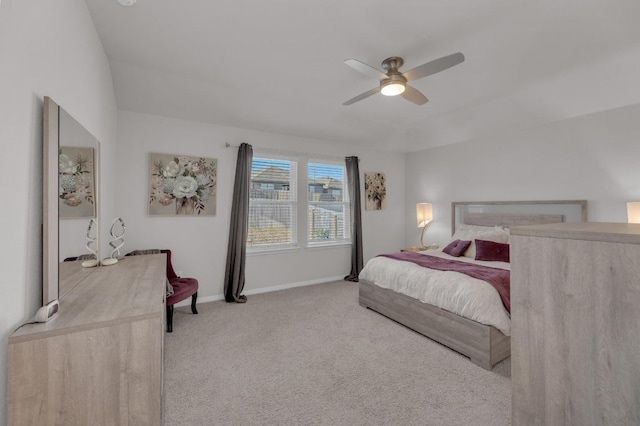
70, 202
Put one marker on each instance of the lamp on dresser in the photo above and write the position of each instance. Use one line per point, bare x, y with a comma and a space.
424, 215
633, 212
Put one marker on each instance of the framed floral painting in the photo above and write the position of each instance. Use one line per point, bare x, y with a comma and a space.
76, 183
182, 185
376, 191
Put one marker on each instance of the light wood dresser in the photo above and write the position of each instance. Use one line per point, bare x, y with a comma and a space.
99, 361
575, 311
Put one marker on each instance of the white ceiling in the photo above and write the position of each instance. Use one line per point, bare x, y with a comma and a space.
277, 65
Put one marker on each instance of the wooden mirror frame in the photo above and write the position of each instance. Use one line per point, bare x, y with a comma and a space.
57, 277
50, 225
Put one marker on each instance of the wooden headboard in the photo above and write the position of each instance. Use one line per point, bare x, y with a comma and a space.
517, 213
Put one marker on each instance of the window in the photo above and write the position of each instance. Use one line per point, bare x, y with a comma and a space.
272, 203
327, 203
282, 206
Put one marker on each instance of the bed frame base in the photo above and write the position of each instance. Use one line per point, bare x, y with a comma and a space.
483, 344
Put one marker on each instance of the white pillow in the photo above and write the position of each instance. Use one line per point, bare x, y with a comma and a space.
497, 234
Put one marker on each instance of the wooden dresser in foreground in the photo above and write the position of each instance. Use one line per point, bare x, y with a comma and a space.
99, 361
575, 336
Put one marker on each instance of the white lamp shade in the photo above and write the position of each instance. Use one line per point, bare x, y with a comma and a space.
424, 214
633, 212
392, 89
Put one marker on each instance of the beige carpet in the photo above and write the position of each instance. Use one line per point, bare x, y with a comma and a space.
313, 356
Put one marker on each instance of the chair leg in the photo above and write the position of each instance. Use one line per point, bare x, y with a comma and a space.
169, 318
193, 302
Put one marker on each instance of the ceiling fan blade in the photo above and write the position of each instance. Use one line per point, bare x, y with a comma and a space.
414, 95
434, 66
362, 96
366, 69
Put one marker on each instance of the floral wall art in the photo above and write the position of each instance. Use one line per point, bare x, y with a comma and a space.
376, 191
182, 185
76, 183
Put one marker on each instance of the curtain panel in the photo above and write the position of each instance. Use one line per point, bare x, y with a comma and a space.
234, 276
353, 183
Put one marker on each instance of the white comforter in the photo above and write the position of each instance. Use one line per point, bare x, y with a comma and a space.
455, 292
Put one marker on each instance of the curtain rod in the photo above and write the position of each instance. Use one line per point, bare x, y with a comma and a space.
282, 151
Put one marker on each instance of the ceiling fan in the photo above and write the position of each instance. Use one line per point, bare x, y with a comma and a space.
393, 82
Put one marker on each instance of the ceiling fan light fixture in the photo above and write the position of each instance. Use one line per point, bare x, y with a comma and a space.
393, 82
392, 88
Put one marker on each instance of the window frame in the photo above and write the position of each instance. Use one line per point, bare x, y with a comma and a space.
293, 202
346, 206
299, 189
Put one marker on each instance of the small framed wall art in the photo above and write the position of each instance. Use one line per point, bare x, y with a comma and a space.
376, 191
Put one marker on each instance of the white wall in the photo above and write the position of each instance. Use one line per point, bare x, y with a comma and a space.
47, 48
593, 157
199, 244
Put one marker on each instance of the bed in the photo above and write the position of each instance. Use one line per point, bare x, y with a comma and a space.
404, 291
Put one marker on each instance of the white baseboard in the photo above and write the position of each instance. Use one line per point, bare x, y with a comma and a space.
187, 302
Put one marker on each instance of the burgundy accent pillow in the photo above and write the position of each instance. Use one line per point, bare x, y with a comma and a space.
492, 251
457, 247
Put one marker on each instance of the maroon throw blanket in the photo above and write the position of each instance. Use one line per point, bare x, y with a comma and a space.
498, 278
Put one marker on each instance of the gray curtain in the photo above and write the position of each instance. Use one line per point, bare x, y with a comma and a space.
353, 182
237, 248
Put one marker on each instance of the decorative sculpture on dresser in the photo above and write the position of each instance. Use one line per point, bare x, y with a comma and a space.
92, 238
117, 241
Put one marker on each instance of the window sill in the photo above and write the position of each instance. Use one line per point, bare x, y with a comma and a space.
320, 246
257, 251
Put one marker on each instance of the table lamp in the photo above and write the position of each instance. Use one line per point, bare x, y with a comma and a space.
424, 214
633, 212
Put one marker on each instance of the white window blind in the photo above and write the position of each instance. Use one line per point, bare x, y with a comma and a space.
327, 203
272, 203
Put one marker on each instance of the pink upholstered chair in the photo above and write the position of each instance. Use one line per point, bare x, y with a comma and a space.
182, 288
